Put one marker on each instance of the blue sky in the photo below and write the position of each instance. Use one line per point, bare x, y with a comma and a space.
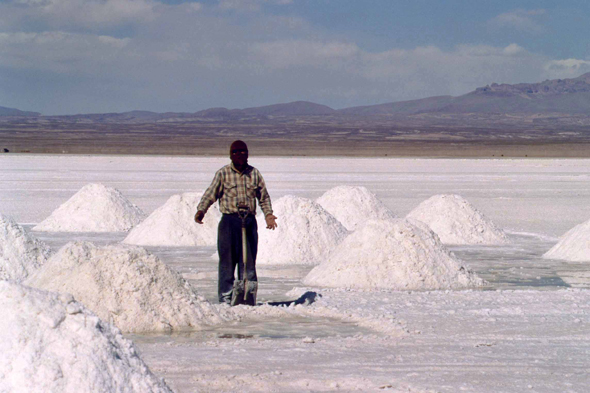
89, 56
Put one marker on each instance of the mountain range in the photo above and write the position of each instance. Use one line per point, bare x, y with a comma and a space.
571, 96
565, 96
15, 112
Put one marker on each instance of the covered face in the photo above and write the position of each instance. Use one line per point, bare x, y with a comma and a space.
238, 153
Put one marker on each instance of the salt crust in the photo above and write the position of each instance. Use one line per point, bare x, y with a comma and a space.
172, 224
95, 208
306, 233
574, 245
126, 286
319, 310
51, 343
20, 253
353, 206
392, 254
456, 221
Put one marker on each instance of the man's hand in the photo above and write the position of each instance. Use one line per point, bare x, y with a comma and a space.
270, 222
199, 217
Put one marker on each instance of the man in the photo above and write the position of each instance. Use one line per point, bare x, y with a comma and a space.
237, 186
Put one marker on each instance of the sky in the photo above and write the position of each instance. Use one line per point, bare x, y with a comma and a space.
96, 56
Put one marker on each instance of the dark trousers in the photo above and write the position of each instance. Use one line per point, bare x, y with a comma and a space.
229, 247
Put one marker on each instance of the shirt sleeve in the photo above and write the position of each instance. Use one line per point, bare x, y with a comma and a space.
263, 196
213, 193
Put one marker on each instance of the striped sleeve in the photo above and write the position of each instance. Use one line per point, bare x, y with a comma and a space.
263, 196
212, 193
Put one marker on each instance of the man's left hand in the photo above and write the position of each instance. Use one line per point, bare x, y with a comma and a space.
199, 217
270, 222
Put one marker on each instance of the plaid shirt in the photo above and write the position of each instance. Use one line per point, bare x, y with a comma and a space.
231, 187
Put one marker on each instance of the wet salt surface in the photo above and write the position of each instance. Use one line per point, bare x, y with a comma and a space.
56, 240
286, 327
515, 266
520, 265
200, 269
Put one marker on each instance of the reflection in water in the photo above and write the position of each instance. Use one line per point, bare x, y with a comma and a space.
520, 265
286, 327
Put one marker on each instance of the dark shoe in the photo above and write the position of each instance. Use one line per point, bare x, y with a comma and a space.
237, 296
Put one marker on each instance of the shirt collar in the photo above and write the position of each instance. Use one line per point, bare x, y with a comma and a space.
245, 172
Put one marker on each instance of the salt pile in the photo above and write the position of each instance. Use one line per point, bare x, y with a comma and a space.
306, 233
172, 224
126, 286
20, 253
573, 246
457, 221
353, 206
392, 254
95, 208
51, 343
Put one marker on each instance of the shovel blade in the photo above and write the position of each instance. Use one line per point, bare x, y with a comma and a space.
250, 295
237, 296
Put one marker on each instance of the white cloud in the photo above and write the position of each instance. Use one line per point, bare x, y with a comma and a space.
115, 42
430, 71
60, 52
522, 20
566, 68
287, 54
29, 2
176, 52
249, 5
195, 6
513, 49
75, 14
344, 74
190, 56
489, 51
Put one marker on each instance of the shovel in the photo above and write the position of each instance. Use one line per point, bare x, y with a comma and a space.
244, 291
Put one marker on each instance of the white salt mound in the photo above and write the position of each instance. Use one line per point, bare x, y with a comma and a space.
392, 254
306, 233
20, 253
173, 224
126, 286
95, 208
51, 343
573, 246
353, 206
457, 221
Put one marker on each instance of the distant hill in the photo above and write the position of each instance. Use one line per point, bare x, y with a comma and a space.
15, 112
431, 104
564, 96
570, 96
220, 113
124, 117
297, 108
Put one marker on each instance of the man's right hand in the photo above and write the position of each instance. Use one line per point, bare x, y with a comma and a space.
199, 217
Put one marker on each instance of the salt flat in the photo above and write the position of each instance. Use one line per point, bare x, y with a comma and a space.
540, 195
529, 330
